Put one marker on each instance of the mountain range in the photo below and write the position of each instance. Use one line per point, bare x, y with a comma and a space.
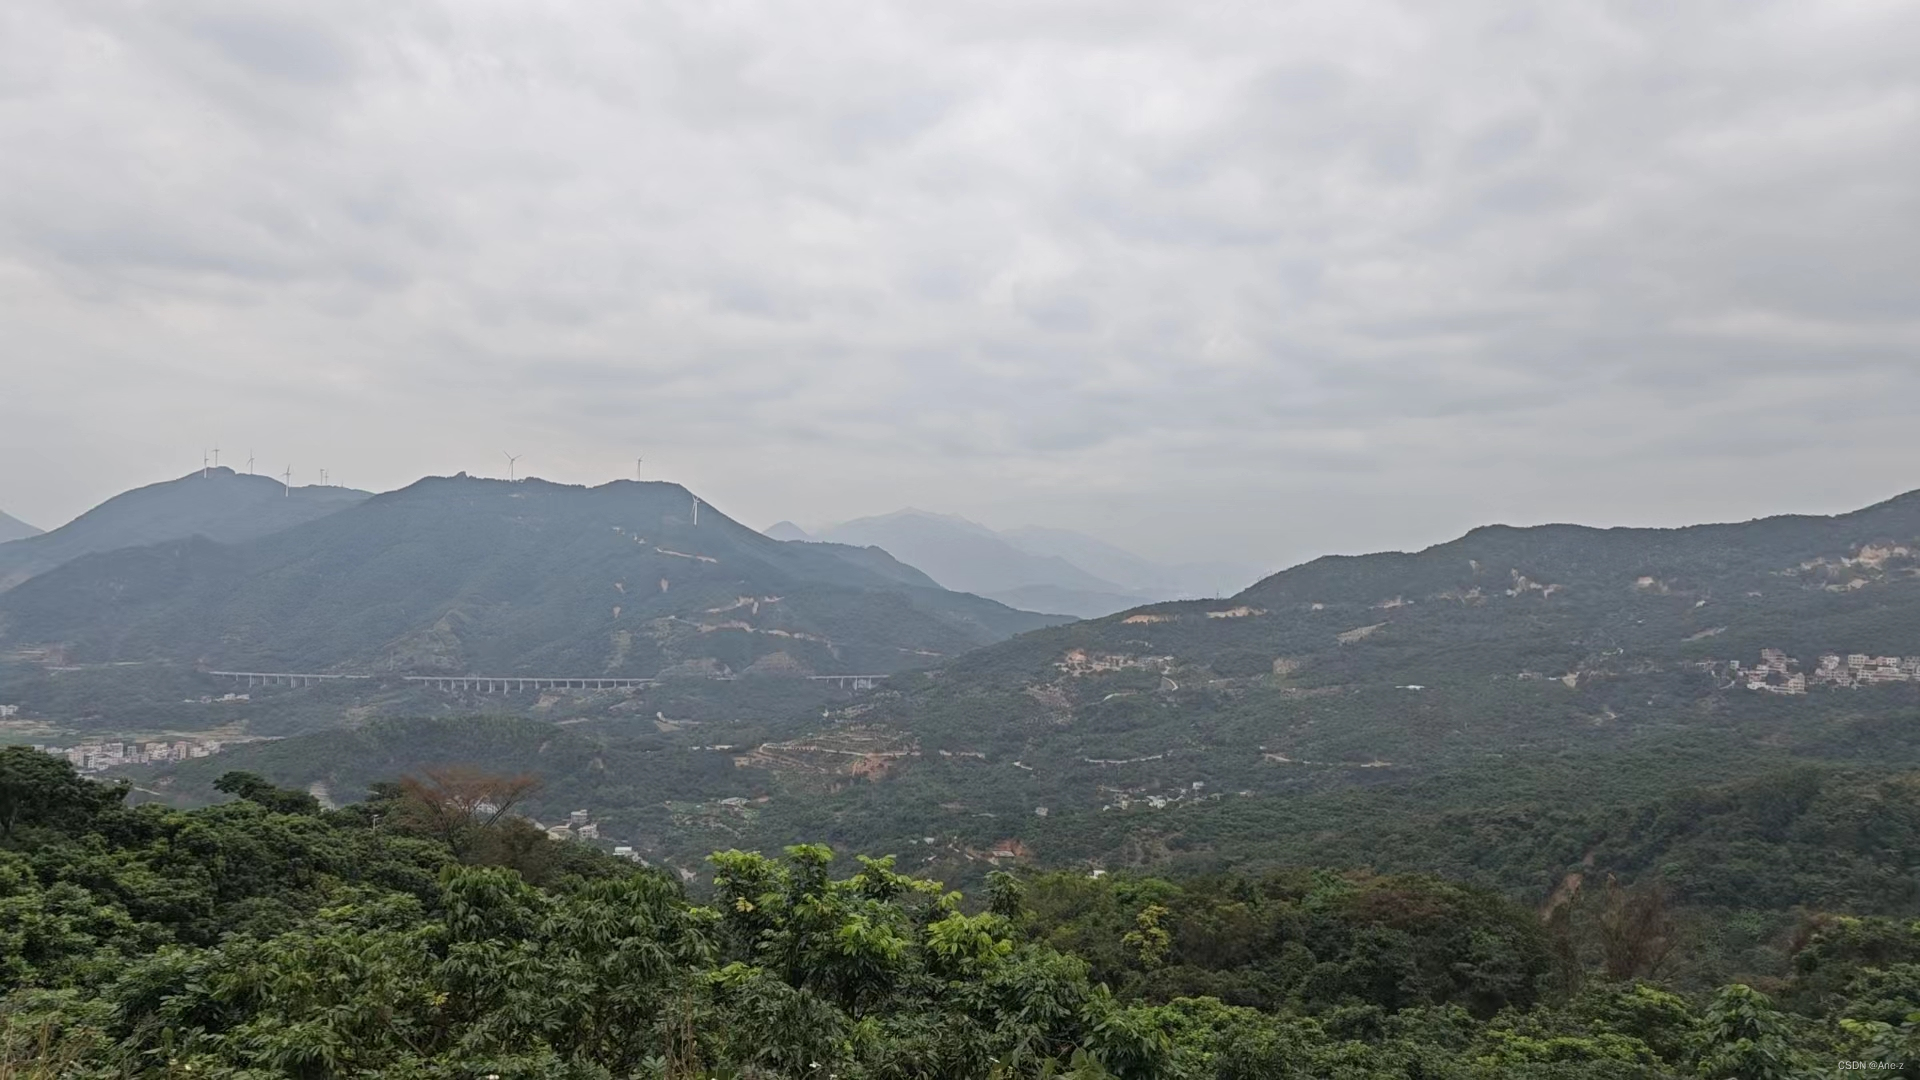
1336, 705
458, 574
217, 503
1033, 568
1522, 708
1519, 707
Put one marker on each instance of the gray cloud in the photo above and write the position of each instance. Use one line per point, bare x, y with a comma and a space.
1233, 280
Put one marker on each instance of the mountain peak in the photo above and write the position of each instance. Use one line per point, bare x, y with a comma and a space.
913, 514
540, 483
787, 530
12, 528
217, 503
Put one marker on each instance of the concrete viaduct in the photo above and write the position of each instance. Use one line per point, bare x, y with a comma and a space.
507, 684
283, 678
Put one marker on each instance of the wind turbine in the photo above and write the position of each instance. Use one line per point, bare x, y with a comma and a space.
511, 458
287, 479
249, 463
203, 464
636, 467
696, 511
216, 457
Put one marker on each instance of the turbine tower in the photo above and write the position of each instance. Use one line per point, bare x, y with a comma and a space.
249, 463
636, 467
216, 457
287, 479
511, 458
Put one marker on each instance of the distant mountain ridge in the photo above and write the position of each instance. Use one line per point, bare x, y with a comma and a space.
459, 574
1033, 568
1561, 647
12, 528
787, 530
218, 503
1526, 707
1135, 574
1558, 597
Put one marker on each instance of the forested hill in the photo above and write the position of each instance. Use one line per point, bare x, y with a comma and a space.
219, 504
1554, 600
1485, 707
457, 574
1716, 574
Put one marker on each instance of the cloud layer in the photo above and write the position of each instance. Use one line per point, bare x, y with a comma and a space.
1253, 281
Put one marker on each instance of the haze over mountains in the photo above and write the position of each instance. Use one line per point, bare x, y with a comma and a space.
1038, 569
458, 574
1725, 709
1403, 665
1572, 605
217, 503
1349, 704
12, 528
560, 779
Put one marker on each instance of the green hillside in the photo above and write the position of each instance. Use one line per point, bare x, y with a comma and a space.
219, 504
1507, 641
1553, 600
531, 578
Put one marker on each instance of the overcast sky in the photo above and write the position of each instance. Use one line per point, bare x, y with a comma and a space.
1251, 281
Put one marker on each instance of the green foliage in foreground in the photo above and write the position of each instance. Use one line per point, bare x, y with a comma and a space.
266, 938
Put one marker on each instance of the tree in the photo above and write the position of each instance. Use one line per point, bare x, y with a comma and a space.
1746, 1038
1148, 939
37, 788
258, 789
1636, 931
1006, 897
456, 802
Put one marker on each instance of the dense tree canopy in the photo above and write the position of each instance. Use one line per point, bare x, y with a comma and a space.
264, 937
37, 789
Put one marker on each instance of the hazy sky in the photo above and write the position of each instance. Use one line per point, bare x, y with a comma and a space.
1251, 281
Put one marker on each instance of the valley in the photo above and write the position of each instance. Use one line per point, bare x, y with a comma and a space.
1011, 541
1330, 709
1519, 710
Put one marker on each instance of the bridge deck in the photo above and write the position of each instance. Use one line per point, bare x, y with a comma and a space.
507, 683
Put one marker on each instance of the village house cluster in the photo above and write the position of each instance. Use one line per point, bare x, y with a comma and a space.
1778, 673
579, 826
101, 756
1124, 798
1082, 662
576, 827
